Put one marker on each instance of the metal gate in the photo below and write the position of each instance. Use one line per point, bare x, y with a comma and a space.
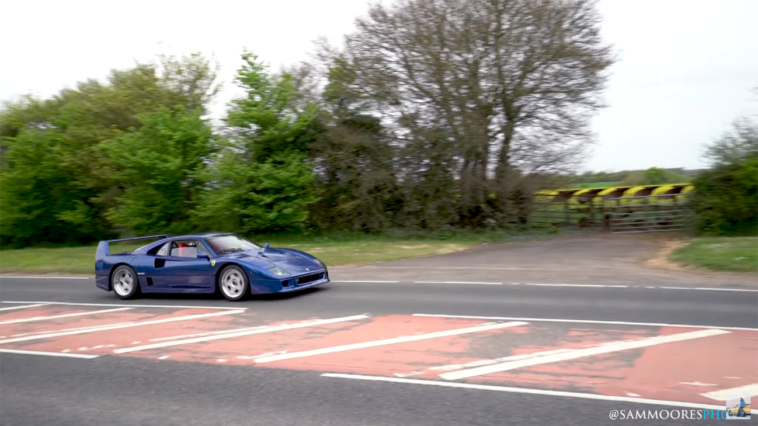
618, 215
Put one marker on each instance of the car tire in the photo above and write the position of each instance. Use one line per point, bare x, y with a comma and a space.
233, 283
124, 282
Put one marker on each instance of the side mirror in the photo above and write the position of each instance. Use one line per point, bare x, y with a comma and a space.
203, 256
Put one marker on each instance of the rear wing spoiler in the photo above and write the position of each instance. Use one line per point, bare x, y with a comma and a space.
103, 246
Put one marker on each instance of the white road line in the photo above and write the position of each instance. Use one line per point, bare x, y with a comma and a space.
648, 324
133, 306
59, 354
458, 282
62, 316
357, 281
579, 353
724, 289
240, 334
43, 278
483, 362
118, 326
720, 395
576, 285
210, 333
374, 343
525, 391
88, 327
22, 307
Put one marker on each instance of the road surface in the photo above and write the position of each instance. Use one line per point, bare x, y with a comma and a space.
496, 349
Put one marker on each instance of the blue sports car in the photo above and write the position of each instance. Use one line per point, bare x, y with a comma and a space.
203, 263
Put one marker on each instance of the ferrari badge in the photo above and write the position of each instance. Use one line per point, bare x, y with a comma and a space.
213, 263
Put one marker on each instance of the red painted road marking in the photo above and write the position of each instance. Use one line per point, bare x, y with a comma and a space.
54, 354
106, 327
55, 317
674, 371
678, 404
260, 330
11, 308
392, 341
721, 395
579, 353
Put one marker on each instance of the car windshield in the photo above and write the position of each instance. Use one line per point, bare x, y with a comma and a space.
230, 243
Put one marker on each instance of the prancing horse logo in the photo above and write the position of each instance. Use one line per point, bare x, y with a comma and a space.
213, 263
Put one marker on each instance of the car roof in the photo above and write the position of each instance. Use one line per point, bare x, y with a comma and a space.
207, 234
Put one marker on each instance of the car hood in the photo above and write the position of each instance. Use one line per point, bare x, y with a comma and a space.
289, 260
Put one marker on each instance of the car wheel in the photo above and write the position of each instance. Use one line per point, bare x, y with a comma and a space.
124, 282
233, 283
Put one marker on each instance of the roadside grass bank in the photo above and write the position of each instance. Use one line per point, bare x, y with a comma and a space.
734, 254
334, 249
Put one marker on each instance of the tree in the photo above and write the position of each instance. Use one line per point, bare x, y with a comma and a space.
502, 83
260, 180
156, 165
73, 125
354, 172
726, 196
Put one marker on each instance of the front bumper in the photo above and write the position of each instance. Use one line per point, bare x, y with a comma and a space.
290, 284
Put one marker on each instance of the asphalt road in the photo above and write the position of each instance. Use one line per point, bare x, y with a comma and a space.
191, 385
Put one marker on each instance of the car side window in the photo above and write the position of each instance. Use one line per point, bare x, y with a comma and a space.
164, 250
186, 248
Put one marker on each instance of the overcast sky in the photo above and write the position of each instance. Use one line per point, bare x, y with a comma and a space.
686, 69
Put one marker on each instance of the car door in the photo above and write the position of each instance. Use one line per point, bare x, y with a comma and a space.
184, 269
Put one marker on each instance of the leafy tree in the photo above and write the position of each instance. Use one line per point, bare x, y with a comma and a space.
39, 200
156, 164
261, 179
355, 177
727, 195
73, 125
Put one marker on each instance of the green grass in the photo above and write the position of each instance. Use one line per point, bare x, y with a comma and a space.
335, 249
738, 254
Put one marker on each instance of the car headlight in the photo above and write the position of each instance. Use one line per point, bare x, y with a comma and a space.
279, 272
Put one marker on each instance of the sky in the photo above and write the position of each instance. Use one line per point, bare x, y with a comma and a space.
686, 68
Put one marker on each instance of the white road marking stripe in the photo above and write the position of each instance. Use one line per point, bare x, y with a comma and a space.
525, 391
649, 324
22, 307
451, 268
387, 341
576, 285
579, 353
724, 289
133, 306
88, 327
43, 278
357, 281
240, 334
457, 282
62, 316
118, 326
59, 354
720, 395
210, 333
483, 362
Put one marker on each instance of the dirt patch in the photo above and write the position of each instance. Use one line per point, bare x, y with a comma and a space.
661, 258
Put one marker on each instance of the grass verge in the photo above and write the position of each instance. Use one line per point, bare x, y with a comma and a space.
335, 249
736, 254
